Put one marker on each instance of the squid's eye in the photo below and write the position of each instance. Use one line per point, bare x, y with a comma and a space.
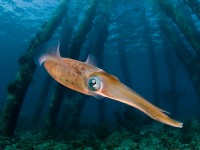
94, 83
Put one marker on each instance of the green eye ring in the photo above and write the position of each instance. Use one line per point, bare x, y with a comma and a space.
94, 83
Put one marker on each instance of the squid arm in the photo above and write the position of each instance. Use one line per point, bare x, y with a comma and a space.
112, 88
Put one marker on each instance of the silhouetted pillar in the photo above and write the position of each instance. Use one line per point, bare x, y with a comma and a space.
73, 52
154, 72
172, 79
54, 107
127, 79
194, 5
42, 99
99, 51
75, 47
18, 88
153, 63
184, 55
83, 30
184, 21
124, 63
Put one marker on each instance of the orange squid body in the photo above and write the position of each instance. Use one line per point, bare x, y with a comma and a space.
69, 73
85, 78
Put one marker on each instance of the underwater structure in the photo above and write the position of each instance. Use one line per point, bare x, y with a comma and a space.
191, 34
17, 89
73, 52
153, 47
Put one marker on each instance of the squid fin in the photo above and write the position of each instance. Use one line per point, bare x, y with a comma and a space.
46, 51
91, 60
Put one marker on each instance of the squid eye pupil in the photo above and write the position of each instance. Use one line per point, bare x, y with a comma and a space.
94, 83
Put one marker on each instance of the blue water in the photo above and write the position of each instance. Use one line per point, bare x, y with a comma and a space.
21, 20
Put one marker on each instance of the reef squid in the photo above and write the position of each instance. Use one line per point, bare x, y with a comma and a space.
86, 78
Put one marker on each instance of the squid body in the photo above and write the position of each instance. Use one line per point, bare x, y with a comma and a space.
86, 78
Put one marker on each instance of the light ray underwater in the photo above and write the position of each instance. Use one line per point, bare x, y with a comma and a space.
88, 79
